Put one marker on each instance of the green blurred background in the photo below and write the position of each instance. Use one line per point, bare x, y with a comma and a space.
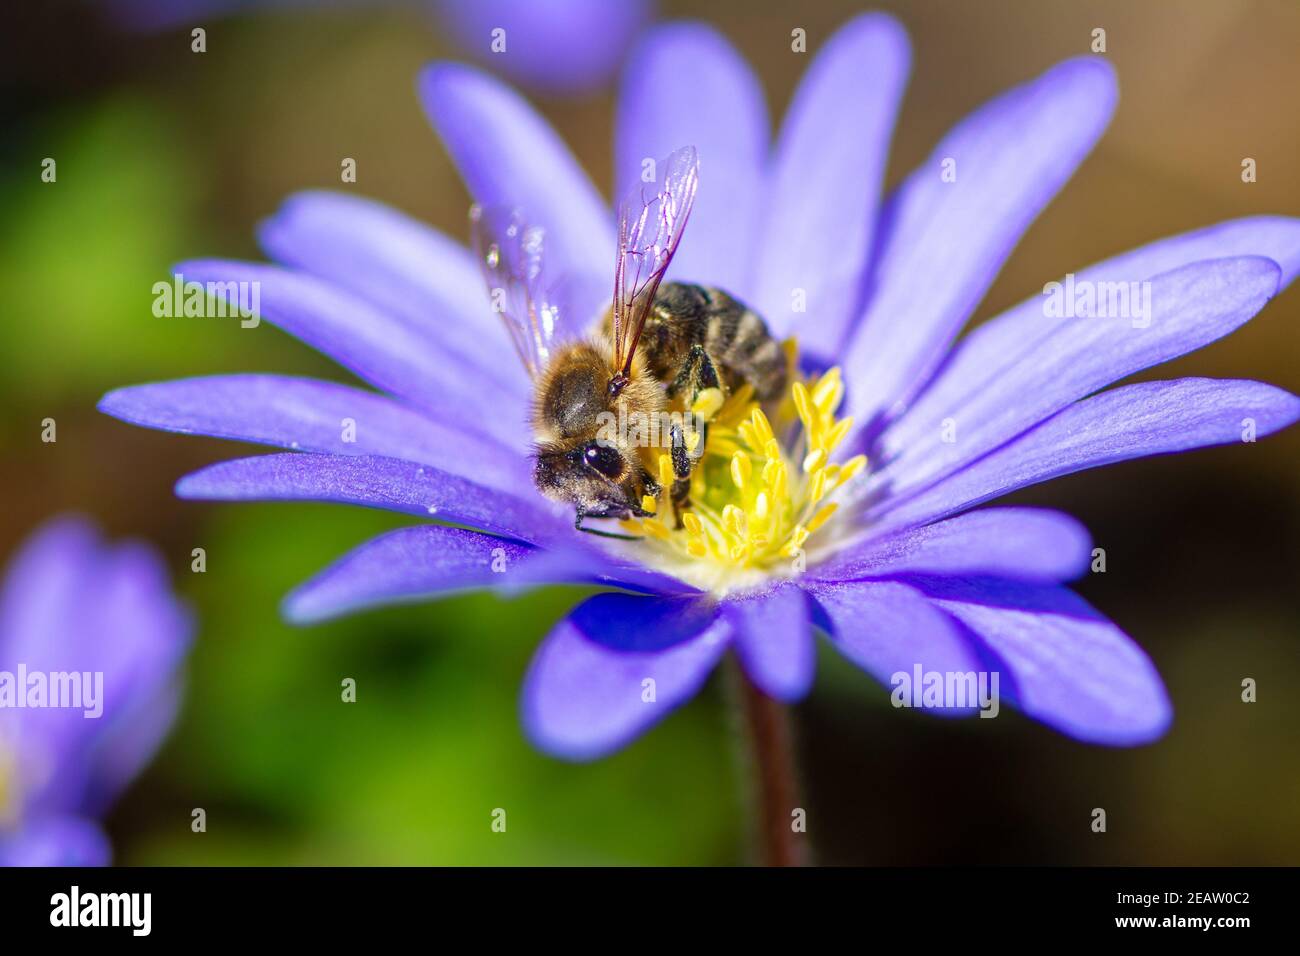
163, 154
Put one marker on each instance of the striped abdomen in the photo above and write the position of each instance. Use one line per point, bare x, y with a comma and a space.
735, 337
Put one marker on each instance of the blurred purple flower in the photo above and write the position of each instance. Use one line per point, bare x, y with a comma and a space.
72, 603
561, 46
904, 575
552, 46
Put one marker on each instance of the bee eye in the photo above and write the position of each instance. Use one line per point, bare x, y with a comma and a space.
604, 459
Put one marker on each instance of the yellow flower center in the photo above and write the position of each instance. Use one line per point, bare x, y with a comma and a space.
761, 489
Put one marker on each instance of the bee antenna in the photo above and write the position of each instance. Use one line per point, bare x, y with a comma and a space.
578, 525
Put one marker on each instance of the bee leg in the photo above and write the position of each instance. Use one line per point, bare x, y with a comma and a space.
682, 467
577, 524
700, 379
681, 498
681, 457
648, 484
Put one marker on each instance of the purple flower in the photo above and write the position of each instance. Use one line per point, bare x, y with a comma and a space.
95, 629
792, 534
560, 47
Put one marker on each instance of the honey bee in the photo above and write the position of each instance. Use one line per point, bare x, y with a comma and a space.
662, 347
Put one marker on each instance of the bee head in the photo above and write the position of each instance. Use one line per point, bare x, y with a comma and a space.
584, 457
593, 476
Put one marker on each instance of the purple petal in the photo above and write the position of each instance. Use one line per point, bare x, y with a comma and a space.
576, 561
408, 564
549, 45
130, 742
375, 483
1069, 667
73, 604
309, 415
430, 561
945, 241
509, 156
825, 181
685, 85
1150, 418
137, 634
378, 346
886, 628
55, 841
1190, 307
38, 606
635, 623
774, 640
1022, 543
403, 266
561, 46
1002, 345
582, 700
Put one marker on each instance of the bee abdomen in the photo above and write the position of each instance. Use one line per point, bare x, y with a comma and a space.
738, 339
735, 337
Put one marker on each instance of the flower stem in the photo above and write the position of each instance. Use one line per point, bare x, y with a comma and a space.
772, 765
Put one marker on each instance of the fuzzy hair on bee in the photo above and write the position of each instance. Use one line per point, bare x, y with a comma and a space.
735, 341
578, 460
662, 347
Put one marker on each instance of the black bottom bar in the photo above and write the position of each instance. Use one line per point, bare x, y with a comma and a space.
982, 904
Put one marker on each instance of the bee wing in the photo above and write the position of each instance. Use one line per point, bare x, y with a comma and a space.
510, 252
649, 228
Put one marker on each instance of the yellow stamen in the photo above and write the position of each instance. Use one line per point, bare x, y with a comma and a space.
656, 528
835, 435
740, 469
821, 516
780, 482
828, 391
852, 468
799, 392
798, 536
817, 487
665, 471
791, 349
707, 403
734, 518
755, 498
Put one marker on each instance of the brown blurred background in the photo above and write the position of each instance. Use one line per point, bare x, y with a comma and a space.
172, 155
